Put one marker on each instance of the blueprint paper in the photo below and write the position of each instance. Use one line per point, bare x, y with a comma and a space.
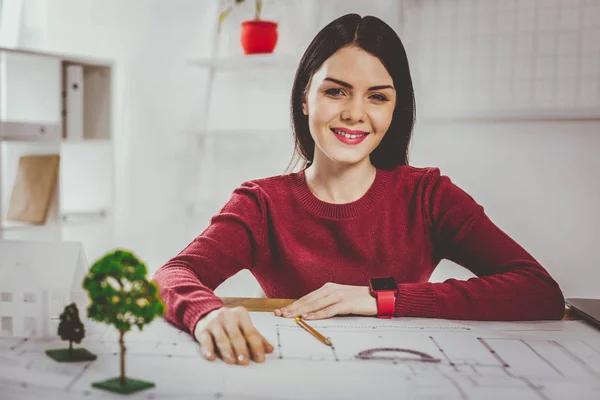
467, 360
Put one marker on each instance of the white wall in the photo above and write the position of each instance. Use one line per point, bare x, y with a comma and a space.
536, 180
511, 59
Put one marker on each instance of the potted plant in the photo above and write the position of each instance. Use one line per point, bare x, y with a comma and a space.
121, 296
257, 36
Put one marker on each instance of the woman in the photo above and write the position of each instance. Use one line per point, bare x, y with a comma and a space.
355, 211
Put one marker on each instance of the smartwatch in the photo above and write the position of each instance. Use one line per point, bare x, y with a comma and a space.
385, 291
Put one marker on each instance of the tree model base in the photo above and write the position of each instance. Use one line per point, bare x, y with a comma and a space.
63, 355
131, 385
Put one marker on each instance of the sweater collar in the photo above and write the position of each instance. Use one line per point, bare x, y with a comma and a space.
371, 199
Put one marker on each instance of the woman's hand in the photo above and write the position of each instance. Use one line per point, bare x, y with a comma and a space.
230, 334
332, 299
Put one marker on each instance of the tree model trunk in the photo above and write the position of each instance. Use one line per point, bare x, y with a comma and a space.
122, 343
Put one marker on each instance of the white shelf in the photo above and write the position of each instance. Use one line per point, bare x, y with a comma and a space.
237, 132
67, 219
248, 62
83, 217
86, 141
28, 131
61, 140
14, 226
488, 115
69, 58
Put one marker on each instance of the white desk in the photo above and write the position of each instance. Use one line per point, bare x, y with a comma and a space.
545, 360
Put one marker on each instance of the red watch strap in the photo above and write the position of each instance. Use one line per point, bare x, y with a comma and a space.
386, 303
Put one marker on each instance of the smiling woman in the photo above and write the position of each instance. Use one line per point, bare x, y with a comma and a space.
357, 230
349, 108
354, 83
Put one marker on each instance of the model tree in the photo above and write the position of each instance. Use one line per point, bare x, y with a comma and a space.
71, 329
121, 296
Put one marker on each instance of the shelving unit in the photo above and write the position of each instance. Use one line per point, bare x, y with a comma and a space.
33, 120
215, 63
254, 61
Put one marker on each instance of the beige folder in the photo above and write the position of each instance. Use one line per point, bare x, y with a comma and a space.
34, 187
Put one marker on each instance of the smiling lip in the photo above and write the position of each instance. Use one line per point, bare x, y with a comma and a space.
349, 131
346, 140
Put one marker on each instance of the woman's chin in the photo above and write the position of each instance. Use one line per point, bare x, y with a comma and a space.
349, 158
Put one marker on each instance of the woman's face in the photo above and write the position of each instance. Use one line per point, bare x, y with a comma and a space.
349, 102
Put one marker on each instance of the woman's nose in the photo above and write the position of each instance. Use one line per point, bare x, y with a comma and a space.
354, 111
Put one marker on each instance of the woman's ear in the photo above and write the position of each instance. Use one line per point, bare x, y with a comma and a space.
304, 106
305, 100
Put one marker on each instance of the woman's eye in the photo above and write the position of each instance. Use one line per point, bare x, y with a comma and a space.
379, 97
334, 92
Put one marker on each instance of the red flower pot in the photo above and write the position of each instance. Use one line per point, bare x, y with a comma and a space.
259, 36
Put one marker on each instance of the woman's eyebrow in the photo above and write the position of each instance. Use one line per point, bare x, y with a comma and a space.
349, 86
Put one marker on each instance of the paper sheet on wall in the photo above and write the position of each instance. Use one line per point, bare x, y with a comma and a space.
424, 358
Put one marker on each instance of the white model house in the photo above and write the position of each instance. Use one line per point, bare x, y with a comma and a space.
37, 281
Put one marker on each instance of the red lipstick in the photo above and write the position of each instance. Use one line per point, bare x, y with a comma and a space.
340, 134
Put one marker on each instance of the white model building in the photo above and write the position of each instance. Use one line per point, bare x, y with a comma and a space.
37, 281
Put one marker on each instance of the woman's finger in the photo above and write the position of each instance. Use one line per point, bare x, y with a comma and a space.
256, 345
222, 343
267, 345
206, 345
286, 311
255, 340
316, 305
305, 302
249, 329
238, 341
327, 312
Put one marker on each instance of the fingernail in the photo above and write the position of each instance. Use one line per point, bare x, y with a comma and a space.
305, 315
241, 358
227, 356
207, 354
287, 313
260, 356
277, 312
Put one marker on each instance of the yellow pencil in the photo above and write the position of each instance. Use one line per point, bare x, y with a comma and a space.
312, 331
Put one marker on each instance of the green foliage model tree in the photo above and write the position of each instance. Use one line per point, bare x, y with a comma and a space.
70, 327
121, 296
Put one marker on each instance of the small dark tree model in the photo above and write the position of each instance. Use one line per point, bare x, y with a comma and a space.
71, 329
121, 296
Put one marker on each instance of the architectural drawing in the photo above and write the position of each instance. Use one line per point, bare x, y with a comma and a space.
474, 360
37, 280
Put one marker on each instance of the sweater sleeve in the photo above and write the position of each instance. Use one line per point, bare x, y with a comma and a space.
228, 245
510, 283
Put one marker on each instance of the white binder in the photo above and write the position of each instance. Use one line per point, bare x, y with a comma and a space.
73, 103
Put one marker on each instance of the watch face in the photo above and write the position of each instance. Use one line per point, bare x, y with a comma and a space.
383, 284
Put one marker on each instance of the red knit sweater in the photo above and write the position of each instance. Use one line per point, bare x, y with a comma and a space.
408, 220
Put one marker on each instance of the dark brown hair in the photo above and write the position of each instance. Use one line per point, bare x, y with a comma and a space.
377, 38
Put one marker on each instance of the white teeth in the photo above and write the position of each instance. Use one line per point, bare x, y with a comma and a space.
348, 135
